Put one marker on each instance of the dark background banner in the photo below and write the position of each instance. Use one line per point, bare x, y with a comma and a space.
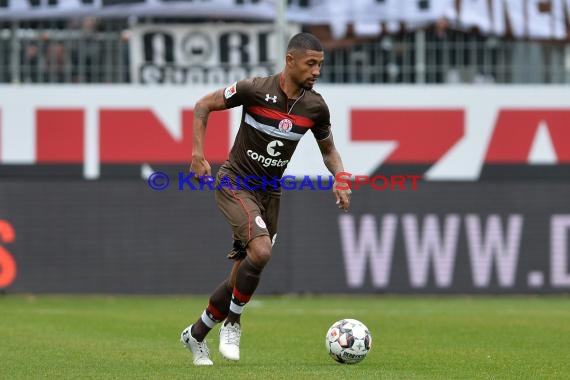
119, 236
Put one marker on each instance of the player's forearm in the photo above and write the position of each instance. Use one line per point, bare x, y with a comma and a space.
202, 109
201, 113
333, 162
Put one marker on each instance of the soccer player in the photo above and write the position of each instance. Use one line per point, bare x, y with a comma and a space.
277, 111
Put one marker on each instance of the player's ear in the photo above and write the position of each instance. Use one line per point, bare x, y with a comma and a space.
289, 59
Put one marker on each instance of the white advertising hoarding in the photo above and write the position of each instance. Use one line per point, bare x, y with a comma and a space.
453, 132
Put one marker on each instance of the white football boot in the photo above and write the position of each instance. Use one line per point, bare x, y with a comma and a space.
230, 335
199, 350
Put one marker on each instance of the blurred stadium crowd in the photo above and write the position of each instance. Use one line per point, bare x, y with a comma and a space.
91, 50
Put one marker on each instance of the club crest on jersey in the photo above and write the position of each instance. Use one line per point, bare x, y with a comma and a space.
273, 98
260, 222
230, 91
285, 125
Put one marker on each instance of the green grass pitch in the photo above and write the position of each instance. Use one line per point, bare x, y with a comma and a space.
136, 337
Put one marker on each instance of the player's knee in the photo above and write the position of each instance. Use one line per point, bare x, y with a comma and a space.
261, 256
260, 252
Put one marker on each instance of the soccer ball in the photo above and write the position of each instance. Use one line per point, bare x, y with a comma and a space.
348, 341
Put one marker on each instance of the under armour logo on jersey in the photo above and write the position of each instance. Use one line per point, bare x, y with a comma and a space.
272, 98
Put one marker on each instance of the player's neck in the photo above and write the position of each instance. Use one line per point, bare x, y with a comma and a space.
288, 87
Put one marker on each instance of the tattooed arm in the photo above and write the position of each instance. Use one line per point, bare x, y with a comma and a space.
202, 109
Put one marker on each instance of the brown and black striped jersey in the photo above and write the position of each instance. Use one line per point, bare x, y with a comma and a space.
272, 125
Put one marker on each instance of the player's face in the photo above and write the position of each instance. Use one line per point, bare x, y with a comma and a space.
306, 67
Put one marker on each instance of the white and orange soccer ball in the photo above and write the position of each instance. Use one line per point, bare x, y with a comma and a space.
348, 341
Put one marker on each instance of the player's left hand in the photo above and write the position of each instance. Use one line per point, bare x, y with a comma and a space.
342, 197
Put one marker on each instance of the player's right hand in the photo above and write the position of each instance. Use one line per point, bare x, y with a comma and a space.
200, 167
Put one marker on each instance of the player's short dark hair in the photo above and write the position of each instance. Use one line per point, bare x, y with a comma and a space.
304, 41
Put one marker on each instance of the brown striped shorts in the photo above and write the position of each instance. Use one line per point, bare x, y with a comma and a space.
250, 213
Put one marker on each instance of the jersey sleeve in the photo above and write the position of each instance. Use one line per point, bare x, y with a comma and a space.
238, 93
322, 128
